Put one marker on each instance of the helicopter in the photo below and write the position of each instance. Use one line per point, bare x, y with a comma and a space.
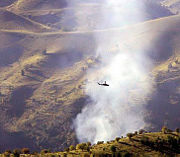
103, 84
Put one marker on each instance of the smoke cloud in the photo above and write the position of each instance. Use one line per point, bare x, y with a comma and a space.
119, 108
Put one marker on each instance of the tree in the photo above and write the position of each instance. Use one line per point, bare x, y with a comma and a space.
81, 146
66, 149
141, 131
135, 133
127, 154
145, 140
177, 130
89, 144
25, 151
113, 148
164, 130
16, 152
44, 151
7, 153
130, 135
117, 139
71, 148
100, 142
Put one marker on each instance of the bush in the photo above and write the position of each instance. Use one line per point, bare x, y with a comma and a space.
7, 153
16, 152
71, 148
81, 146
113, 148
89, 144
100, 154
35, 153
25, 151
129, 135
86, 155
173, 142
177, 130
117, 139
66, 149
100, 142
164, 130
135, 133
52, 155
141, 131
145, 140
127, 154
44, 151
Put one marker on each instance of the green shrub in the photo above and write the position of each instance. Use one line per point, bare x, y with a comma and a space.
113, 148
145, 140
66, 149
100, 142
16, 152
129, 135
86, 155
164, 130
25, 151
177, 130
71, 148
135, 133
88, 144
117, 139
141, 131
81, 146
44, 151
52, 155
7, 153
127, 154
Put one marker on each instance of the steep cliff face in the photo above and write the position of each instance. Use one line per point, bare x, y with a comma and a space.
43, 67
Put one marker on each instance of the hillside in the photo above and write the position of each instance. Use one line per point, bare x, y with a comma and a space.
172, 5
43, 69
22, 5
6, 3
81, 16
10, 21
135, 145
138, 144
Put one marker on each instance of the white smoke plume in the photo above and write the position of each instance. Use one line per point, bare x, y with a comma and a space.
119, 108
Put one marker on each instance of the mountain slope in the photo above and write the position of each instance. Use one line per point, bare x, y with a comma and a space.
11, 21
54, 80
23, 5
154, 144
43, 71
172, 5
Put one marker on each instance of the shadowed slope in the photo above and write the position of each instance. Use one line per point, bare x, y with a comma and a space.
12, 21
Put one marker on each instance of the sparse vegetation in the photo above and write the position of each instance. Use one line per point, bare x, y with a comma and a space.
25, 150
164, 129
177, 130
141, 131
148, 144
129, 135
16, 152
113, 148
71, 148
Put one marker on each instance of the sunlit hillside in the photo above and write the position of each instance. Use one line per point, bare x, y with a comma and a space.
137, 144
